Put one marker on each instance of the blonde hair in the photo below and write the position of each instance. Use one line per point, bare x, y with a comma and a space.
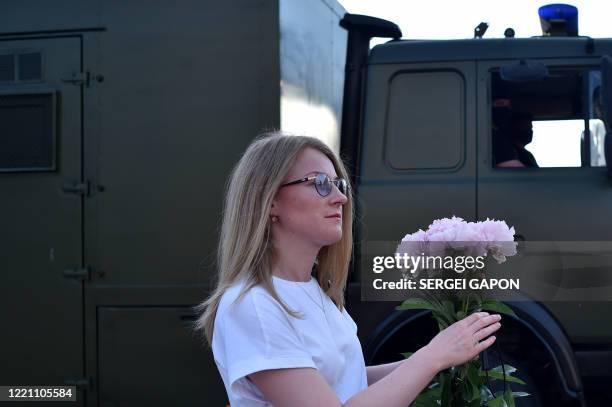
245, 248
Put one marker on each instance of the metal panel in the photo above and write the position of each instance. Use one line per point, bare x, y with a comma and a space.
488, 48
42, 315
27, 131
393, 201
30, 66
174, 118
7, 68
544, 204
150, 357
312, 56
425, 120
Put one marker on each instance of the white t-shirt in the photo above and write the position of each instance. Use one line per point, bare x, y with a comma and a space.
257, 334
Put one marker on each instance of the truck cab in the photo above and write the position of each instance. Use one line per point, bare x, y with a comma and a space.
432, 119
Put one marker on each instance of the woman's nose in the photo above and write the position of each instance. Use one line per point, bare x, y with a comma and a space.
338, 197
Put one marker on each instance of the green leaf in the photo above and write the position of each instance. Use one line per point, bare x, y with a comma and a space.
407, 354
448, 307
472, 373
474, 403
508, 397
475, 392
470, 388
500, 376
446, 396
497, 306
442, 321
462, 372
520, 394
427, 398
508, 369
497, 402
416, 303
485, 393
440, 313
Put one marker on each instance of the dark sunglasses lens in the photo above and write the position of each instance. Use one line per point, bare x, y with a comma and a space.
323, 184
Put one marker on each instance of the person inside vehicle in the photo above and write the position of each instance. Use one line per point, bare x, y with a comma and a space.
509, 142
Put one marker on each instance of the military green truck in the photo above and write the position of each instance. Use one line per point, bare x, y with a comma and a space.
120, 122
119, 125
420, 123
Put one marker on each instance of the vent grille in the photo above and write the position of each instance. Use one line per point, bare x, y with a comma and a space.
30, 67
27, 133
7, 68
21, 66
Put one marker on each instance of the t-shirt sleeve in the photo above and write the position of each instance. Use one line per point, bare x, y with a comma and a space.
350, 320
258, 335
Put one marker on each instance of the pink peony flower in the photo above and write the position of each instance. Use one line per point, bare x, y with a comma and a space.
444, 224
496, 231
454, 234
413, 244
470, 240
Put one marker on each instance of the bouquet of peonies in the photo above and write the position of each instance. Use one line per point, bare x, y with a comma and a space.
450, 239
455, 235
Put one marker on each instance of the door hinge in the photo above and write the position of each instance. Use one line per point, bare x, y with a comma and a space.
78, 382
78, 274
80, 188
78, 78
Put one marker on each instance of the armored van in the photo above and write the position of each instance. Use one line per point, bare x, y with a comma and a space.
119, 124
421, 133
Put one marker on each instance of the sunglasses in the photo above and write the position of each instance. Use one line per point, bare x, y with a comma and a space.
323, 184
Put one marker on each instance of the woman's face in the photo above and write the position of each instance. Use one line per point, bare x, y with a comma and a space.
304, 214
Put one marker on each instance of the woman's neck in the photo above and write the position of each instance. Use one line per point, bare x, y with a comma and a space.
293, 262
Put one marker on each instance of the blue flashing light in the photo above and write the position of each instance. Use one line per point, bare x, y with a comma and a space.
559, 20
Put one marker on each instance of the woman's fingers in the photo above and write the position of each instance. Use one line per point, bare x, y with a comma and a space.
485, 344
484, 332
465, 339
472, 318
483, 321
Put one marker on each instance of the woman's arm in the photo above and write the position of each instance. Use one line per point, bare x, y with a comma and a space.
377, 372
403, 384
305, 387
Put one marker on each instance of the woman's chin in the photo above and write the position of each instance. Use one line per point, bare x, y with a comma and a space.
331, 237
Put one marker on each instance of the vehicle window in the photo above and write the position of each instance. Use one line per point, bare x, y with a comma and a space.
547, 122
417, 102
556, 143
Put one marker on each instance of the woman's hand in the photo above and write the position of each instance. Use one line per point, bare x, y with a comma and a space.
460, 342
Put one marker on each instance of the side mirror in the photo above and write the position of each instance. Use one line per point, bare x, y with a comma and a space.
606, 102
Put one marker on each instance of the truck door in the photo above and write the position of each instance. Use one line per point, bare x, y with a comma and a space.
568, 196
42, 197
418, 156
545, 202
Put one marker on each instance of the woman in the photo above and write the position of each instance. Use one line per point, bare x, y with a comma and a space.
282, 337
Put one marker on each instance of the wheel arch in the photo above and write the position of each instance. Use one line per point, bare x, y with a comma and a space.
532, 318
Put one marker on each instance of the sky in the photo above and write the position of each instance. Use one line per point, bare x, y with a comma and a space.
448, 19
